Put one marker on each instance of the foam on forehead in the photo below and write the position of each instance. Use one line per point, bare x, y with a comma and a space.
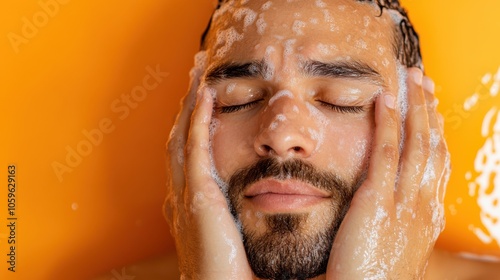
243, 14
249, 23
248, 14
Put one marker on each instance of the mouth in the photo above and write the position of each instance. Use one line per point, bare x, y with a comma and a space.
277, 196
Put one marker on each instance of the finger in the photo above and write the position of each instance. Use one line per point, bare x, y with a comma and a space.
429, 89
438, 164
198, 164
416, 147
179, 132
432, 102
182, 122
385, 156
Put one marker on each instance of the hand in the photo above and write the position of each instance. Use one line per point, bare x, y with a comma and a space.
397, 214
208, 243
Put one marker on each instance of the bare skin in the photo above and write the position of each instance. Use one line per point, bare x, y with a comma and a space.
394, 219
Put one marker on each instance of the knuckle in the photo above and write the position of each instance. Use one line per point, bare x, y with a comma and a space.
424, 144
390, 151
190, 147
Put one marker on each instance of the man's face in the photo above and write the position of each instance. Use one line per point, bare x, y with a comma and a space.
295, 85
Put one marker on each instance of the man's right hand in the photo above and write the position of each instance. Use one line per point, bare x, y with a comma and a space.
208, 243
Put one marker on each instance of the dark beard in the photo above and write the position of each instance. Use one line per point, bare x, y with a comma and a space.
285, 251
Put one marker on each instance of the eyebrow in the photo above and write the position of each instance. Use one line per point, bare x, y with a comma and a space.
342, 69
357, 70
233, 70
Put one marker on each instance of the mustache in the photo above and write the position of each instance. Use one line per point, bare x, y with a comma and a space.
290, 169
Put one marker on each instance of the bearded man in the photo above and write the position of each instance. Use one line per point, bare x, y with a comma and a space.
308, 146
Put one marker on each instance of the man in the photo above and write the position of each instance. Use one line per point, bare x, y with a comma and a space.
308, 146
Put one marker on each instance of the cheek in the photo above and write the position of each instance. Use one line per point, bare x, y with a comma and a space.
232, 149
347, 145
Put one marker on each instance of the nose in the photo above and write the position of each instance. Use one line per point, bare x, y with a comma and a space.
286, 131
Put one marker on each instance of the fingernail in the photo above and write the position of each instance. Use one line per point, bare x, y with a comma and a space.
417, 76
428, 85
390, 101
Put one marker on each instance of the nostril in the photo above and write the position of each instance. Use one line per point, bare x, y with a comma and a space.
267, 148
297, 148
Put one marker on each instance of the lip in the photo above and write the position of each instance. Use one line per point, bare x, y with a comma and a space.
270, 195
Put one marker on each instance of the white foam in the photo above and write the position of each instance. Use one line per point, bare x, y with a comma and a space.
317, 135
323, 49
289, 46
200, 60
231, 244
266, 5
230, 88
437, 219
297, 27
361, 44
486, 185
248, 14
380, 215
323, 123
279, 118
385, 62
214, 125
320, 4
402, 99
366, 21
261, 24
395, 16
381, 49
361, 148
226, 38
429, 171
269, 73
317, 114
226, 8
280, 94
327, 17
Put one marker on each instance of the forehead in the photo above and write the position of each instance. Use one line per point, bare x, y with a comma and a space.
244, 29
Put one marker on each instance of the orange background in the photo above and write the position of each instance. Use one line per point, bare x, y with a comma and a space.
68, 75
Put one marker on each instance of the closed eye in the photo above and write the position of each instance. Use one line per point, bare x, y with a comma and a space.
343, 109
236, 108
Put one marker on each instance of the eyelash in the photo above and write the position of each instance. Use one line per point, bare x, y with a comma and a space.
336, 108
235, 108
343, 109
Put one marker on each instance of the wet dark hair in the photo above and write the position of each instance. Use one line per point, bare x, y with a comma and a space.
406, 41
